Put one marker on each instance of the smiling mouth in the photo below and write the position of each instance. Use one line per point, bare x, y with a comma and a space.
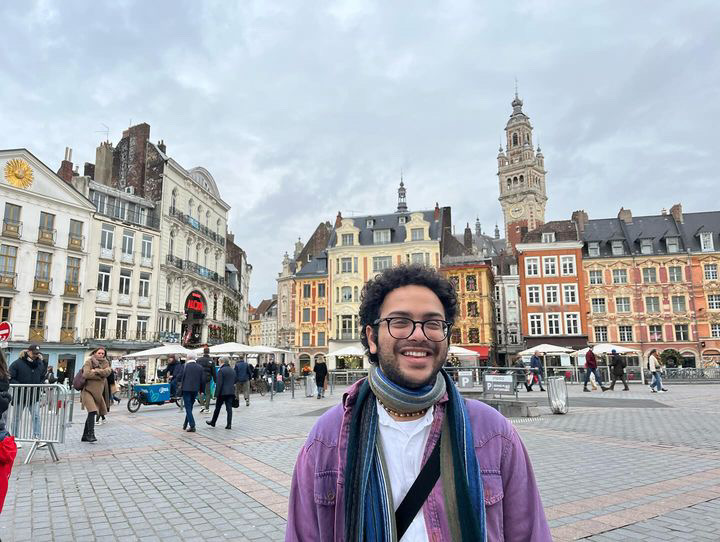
419, 355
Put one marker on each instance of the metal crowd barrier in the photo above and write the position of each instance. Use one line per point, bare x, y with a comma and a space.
38, 414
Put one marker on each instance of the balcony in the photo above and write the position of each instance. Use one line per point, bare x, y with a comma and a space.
68, 335
199, 270
195, 225
76, 242
168, 306
46, 237
107, 253
12, 228
130, 217
144, 302
127, 257
347, 336
121, 334
102, 296
146, 262
37, 334
7, 280
174, 261
42, 285
72, 289
124, 299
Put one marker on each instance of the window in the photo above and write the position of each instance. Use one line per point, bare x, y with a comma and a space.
567, 266
646, 246
455, 281
598, 305
618, 249
142, 323
346, 327
652, 304
321, 315
681, 332
706, 242
356, 294
121, 326
402, 220
548, 237
381, 237
625, 333
622, 304
72, 272
552, 294
649, 274
12, 214
711, 271
536, 324
472, 309
307, 290
321, 289
715, 331
42, 267
596, 276
550, 266
106, 236
601, 334
619, 276
417, 258
713, 301
346, 265
101, 320
144, 288
381, 262
594, 249
655, 333
553, 323
306, 315
5, 304
369, 223
69, 312
103, 284
321, 338
47, 221
675, 273
347, 239
76, 229
456, 336
346, 294
128, 242
471, 283
8, 257
125, 278
417, 234
473, 335
569, 294
673, 244
37, 314
532, 267
678, 303
533, 295
572, 323
147, 247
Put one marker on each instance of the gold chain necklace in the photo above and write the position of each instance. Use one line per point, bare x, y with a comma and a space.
404, 414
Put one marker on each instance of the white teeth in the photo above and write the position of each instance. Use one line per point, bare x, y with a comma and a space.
416, 354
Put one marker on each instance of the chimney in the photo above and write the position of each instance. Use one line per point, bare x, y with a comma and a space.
338, 220
89, 170
581, 219
625, 215
66, 166
161, 146
437, 211
103, 163
676, 212
467, 237
663, 211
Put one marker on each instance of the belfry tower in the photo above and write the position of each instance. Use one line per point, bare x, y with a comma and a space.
521, 175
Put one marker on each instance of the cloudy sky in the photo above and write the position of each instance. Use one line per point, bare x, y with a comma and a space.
304, 109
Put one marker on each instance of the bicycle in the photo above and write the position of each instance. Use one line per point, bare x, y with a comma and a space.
258, 385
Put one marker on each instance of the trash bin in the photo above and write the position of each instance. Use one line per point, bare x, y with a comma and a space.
557, 394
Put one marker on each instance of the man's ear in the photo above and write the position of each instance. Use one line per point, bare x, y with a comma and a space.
372, 341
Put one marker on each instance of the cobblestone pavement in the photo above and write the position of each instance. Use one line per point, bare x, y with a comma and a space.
614, 468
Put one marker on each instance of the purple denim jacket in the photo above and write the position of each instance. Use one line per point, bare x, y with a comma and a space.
513, 509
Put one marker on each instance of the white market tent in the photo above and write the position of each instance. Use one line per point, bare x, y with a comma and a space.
546, 349
159, 351
225, 348
460, 351
347, 351
606, 348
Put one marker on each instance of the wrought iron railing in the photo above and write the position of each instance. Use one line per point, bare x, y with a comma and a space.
120, 212
196, 225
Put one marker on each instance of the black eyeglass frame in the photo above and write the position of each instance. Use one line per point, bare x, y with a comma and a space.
422, 323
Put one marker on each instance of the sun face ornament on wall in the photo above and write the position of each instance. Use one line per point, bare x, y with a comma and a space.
18, 173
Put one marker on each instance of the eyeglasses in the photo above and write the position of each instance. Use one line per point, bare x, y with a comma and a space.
401, 328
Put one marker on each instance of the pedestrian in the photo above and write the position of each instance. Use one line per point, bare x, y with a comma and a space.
617, 366
243, 375
29, 368
224, 392
8, 447
171, 372
536, 370
112, 384
191, 380
321, 372
95, 370
50, 376
364, 455
591, 368
521, 374
654, 366
208, 366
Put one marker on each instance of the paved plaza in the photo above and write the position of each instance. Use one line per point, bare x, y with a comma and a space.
619, 466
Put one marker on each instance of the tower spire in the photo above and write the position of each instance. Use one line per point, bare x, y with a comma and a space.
402, 196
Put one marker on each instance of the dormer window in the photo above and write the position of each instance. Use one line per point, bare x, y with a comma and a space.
646, 246
548, 237
617, 248
369, 223
309, 258
673, 244
593, 249
347, 239
706, 242
402, 220
417, 234
381, 237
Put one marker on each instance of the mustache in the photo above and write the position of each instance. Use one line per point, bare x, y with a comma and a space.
434, 347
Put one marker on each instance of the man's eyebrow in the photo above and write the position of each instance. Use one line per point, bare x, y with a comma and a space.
406, 314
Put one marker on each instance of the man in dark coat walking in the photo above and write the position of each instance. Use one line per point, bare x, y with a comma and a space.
207, 364
321, 372
29, 368
243, 374
617, 365
192, 382
536, 369
224, 391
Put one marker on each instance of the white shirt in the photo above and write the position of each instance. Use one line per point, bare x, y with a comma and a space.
403, 445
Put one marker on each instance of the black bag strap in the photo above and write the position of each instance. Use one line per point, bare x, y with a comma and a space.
418, 492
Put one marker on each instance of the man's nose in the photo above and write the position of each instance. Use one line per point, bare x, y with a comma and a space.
417, 334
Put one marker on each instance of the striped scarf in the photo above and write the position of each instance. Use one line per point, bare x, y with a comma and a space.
369, 510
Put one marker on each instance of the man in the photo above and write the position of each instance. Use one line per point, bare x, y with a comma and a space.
29, 368
224, 392
591, 368
521, 374
207, 364
617, 366
192, 381
172, 372
243, 375
362, 458
321, 372
536, 369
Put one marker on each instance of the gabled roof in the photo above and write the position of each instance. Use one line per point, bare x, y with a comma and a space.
315, 268
388, 222
564, 230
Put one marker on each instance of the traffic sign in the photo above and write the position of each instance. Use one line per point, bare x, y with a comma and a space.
5, 331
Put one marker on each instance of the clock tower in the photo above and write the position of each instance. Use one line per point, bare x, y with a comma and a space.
521, 174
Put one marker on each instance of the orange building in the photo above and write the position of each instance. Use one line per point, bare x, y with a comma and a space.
311, 317
552, 291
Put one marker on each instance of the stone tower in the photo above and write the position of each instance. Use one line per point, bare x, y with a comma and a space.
521, 174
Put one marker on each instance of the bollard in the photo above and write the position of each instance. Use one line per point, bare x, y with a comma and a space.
72, 405
332, 382
272, 386
292, 384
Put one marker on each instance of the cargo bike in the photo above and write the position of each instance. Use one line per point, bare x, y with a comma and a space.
151, 394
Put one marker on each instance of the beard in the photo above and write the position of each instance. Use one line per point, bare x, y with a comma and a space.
387, 358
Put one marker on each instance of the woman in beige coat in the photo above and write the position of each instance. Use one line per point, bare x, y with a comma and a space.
95, 371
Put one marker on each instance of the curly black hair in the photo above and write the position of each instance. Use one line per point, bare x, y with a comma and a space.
376, 289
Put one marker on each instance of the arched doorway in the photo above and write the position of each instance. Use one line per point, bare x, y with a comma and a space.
195, 309
304, 361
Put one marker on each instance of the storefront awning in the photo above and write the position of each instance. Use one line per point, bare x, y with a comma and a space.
483, 352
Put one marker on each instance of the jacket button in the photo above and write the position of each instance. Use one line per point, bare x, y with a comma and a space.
330, 495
